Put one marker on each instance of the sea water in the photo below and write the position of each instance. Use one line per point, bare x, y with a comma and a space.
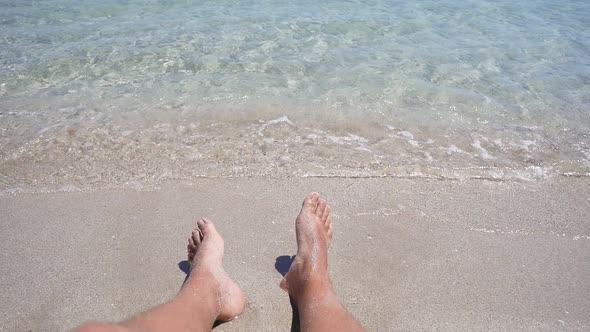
133, 93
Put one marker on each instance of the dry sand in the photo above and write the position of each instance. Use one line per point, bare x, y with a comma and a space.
406, 255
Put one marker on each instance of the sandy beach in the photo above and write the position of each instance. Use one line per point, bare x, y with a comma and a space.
450, 138
407, 254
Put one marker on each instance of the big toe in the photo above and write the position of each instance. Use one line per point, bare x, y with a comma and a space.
311, 201
206, 227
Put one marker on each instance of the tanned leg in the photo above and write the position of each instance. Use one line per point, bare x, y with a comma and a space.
307, 281
208, 295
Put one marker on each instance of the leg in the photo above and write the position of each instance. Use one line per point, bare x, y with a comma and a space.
307, 281
208, 295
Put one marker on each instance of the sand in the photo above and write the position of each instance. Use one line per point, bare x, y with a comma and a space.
407, 254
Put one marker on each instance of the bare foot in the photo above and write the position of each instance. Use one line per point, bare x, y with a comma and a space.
205, 255
309, 271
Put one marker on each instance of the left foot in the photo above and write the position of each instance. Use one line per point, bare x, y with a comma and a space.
205, 255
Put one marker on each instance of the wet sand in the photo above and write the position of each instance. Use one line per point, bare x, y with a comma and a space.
406, 254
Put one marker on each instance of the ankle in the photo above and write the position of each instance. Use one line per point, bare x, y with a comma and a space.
207, 286
312, 288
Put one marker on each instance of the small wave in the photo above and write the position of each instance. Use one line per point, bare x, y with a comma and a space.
73, 159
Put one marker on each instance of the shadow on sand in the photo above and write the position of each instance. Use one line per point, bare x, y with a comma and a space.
185, 267
282, 265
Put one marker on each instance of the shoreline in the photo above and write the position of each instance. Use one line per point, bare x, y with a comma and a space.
508, 176
407, 253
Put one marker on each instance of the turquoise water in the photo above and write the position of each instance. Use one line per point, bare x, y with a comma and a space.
134, 93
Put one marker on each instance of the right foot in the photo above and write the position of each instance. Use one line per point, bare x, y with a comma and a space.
205, 255
314, 231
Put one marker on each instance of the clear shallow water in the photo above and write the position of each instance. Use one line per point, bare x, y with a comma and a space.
112, 93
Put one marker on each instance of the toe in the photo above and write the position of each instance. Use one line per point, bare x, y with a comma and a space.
196, 236
326, 214
329, 226
192, 245
202, 226
190, 251
191, 242
322, 204
311, 200
206, 227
